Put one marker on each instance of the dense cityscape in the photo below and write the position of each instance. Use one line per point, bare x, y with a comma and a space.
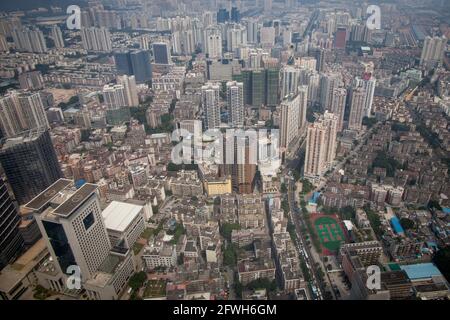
225, 150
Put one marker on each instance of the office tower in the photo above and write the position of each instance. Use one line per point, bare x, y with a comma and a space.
303, 104
141, 66
31, 80
272, 86
235, 103
72, 226
161, 53
210, 105
319, 55
320, 146
289, 80
236, 37
338, 106
122, 60
235, 14
357, 103
223, 15
433, 51
340, 38
21, 111
267, 36
289, 120
129, 85
258, 87
213, 39
57, 37
327, 84
30, 163
11, 241
209, 18
29, 40
96, 39
115, 96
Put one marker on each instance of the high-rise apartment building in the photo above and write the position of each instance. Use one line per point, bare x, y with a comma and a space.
213, 43
303, 104
357, 104
30, 163
96, 39
129, 85
32, 80
338, 106
289, 121
29, 40
21, 111
320, 146
289, 80
433, 51
210, 105
115, 96
235, 103
57, 37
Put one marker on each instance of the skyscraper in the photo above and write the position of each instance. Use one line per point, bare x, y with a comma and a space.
327, 84
30, 163
235, 101
210, 104
21, 111
32, 80
236, 37
96, 39
320, 146
122, 60
11, 241
433, 51
129, 84
72, 226
357, 103
161, 53
57, 37
141, 66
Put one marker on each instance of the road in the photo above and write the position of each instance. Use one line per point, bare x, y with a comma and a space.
302, 247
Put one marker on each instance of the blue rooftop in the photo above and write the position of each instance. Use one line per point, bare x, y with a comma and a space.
421, 270
446, 210
396, 225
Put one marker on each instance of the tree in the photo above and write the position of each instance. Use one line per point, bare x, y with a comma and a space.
283, 188
230, 255
227, 228
407, 223
137, 280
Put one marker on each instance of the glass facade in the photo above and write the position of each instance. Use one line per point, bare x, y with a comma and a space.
60, 245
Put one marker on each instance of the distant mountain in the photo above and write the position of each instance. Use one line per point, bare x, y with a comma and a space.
34, 4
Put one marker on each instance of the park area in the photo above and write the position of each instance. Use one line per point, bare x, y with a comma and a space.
329, 232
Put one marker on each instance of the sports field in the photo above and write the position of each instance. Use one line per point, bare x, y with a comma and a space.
329, 232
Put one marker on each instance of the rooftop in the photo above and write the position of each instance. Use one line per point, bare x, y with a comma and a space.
118, 215
421, 271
